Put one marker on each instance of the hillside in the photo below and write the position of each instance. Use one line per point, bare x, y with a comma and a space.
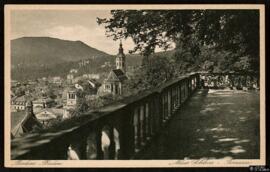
35, 57
45, 50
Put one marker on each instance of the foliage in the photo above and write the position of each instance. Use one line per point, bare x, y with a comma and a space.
100, 101
160, 70
235, 31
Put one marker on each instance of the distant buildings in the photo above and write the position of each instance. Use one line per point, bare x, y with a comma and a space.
84, 62
15, 83
56, 80
18, 104
113, 83
91, 76
24, 122
74, 71
106, 64
56, 98
43, 102
46, 115
71, 102
70, 78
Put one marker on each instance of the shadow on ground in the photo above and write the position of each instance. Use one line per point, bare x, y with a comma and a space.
213, 124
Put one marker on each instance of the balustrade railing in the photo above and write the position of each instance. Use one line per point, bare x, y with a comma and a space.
230, 80
117, 131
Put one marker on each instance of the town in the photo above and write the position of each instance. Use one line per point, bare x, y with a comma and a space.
38, 104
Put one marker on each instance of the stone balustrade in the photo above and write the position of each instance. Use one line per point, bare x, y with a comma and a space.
230, 80
118, 131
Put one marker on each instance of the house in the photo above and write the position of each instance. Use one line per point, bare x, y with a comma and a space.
94, 83
24, 122
15, 83
18, 103
43, 102
84, 62
48, 114
32, 82
106, 64
91, 76
73, 71
70, 78
56, 80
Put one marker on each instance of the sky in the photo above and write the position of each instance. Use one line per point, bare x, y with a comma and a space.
68, 25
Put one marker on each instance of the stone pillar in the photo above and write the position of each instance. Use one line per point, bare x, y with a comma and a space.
151, 117
143, 124
184, 90
176, 96
114, 88
136, 124
98, 143
164, 105
147, 121
112, 144
160, 107
169, 103
91, 147
173, 99
120, 88
82, 148
179, 93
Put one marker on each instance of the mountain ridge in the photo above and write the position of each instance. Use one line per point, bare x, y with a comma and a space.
34, 57
40, 50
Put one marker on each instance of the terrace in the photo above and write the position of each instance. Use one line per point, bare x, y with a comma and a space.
191, 117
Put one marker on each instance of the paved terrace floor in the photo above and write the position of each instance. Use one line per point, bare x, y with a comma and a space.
213, 124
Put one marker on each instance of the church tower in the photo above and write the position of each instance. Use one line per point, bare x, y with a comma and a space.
121, 59
71, 98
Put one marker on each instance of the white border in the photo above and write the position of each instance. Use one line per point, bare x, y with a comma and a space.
132, 163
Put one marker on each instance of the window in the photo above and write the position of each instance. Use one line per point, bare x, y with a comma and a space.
71, 96
107, 86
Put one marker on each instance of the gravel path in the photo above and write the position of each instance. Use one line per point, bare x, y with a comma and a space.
213, 124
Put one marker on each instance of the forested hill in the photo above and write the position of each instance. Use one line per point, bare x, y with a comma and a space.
35, 57
45, 50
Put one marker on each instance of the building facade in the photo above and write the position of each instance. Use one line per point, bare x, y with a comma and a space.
71, 103
18, 104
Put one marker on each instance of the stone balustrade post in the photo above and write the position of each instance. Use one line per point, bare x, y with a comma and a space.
160, 107
180, 93
112, 144
169, 95
147, 121
100, 154
137, 131
152, 116
143, 123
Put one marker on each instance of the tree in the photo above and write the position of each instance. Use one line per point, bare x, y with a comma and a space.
236, 31
160, 70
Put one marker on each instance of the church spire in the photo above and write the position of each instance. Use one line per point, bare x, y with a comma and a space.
121, 58
121, 50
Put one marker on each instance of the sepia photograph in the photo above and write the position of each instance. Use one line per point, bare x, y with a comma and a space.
134, 85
